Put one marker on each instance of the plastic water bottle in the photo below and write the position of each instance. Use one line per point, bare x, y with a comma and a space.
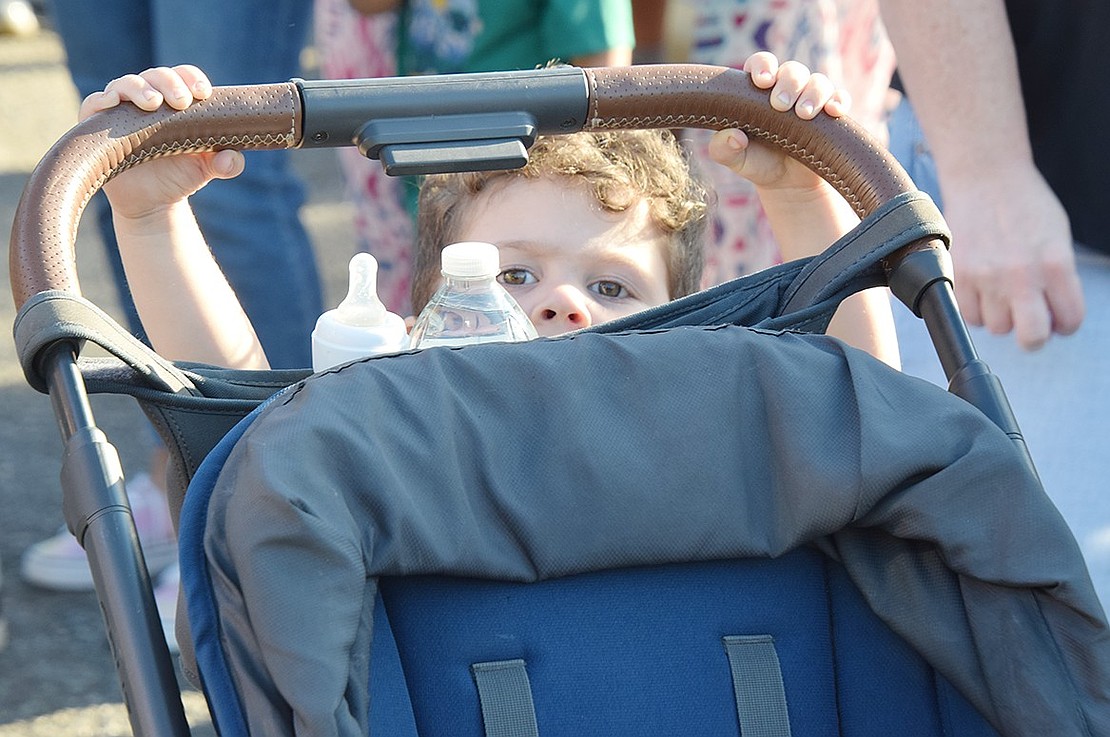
471, 306
360, 326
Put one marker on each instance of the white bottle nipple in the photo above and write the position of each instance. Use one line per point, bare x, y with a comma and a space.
361, 306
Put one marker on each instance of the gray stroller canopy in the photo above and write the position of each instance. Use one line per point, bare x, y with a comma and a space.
534, 461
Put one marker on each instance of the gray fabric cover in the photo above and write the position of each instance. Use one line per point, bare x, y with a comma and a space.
538, 460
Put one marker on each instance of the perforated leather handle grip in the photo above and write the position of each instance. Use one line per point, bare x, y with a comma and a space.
270, 117
45, 227
698, 96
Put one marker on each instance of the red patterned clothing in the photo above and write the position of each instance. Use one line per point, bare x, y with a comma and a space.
844, 39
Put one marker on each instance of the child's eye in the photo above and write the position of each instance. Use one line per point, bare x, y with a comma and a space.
516, 277
610, 289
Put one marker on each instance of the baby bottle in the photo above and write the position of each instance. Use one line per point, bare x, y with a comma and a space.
360, 326
470, 306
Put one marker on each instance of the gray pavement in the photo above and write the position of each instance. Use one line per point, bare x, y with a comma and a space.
56, 673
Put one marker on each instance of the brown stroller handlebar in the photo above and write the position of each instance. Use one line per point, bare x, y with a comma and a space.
273, 117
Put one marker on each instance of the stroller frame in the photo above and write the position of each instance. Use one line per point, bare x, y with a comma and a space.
421, 125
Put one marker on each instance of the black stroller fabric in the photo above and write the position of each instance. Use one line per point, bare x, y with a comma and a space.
589, 452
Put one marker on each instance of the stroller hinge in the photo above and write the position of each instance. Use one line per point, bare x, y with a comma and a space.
92, 480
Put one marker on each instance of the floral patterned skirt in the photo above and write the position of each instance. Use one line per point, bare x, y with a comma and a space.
844, 39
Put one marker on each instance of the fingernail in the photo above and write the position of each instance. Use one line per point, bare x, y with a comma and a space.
783, 97
150, 94
765, 76
806, 108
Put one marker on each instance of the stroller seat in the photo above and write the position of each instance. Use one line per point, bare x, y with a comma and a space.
776, 542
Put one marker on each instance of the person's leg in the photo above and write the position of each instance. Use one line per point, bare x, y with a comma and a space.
92, 63
253, 222
908, 144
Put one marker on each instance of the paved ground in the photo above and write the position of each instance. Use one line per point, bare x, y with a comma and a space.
56, 674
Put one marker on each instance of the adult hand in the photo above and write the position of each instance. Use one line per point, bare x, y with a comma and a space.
1012, 254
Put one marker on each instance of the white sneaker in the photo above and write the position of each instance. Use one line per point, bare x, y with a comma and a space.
18, 18
60, 563
165, 596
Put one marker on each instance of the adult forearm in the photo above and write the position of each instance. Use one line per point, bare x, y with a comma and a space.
956, 59
1012, 245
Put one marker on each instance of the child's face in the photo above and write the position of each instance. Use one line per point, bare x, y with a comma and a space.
568, 262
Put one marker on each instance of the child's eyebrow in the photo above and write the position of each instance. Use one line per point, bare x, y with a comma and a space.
527, 248
524, 245
603, 252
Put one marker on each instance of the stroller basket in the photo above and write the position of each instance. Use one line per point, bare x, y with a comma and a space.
457, 123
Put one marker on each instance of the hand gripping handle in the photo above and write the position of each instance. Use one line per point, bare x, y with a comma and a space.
45, 227
697, 96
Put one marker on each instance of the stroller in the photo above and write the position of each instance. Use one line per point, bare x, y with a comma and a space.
785, 538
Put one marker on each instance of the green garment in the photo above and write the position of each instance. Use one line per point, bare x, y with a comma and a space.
445, 36
449, 36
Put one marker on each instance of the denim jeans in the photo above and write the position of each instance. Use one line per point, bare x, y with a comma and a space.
252, 222
907, 143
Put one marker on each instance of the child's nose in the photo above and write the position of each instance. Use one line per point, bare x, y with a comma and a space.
560, 310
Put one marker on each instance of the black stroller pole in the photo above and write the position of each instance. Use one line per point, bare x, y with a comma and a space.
968, 376
98, 513
921, 278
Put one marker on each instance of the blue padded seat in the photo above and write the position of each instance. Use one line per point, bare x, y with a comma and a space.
639, 651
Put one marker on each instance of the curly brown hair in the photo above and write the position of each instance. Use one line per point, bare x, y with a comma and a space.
619, 167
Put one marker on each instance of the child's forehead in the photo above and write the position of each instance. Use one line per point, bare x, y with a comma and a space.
543, 217
554, 202
550, 192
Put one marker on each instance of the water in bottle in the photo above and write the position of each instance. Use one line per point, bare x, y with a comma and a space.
470, 306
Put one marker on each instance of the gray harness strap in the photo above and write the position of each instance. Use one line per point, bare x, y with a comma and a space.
757, 683
506, 698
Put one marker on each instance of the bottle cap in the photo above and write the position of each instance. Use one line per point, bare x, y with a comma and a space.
470, 260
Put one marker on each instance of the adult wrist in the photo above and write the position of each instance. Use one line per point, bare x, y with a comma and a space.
974, 174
